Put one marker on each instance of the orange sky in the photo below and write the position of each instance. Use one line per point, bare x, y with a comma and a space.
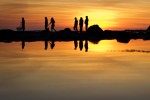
108, 14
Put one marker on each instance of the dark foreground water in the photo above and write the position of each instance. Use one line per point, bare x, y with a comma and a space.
107, 71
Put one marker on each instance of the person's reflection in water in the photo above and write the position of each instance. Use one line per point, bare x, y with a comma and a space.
46, 44
52, 44
86, 46
75, 44
81, 45
23, 44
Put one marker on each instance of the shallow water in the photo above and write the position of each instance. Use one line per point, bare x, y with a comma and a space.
108, 71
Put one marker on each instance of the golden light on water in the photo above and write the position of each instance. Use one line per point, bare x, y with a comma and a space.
63, 72
106, 45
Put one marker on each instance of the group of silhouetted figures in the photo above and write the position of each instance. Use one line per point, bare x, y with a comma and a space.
52, 23
52, 44
81, 24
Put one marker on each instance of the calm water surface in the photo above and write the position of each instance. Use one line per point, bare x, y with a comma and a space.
108, 71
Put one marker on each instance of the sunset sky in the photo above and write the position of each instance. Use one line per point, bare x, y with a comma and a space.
108, 14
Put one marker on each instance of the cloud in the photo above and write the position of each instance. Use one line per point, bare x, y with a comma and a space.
62, 3
22, 5
15, 5
73, 4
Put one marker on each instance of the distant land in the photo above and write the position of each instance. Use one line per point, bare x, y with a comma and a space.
93, 33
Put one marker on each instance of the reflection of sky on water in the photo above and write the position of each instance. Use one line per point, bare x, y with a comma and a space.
63, 73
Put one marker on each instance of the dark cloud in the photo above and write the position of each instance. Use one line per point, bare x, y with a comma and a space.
15, 5
62, 3
22, 5
68, 4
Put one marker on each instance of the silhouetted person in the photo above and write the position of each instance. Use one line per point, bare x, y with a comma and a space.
23, 44
75, 24
86, 23
75, 44
46, 23
46, 44
81, 24
52, 44
23, 24
86, 46
81, 45
52, 24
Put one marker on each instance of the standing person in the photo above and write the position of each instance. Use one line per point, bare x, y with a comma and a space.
75, 24
52, 24
46, 23
23, 24
86, 23
81, 24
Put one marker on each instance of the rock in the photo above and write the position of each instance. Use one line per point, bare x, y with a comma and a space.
66, 30
94, 29
6, 30
148, 29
